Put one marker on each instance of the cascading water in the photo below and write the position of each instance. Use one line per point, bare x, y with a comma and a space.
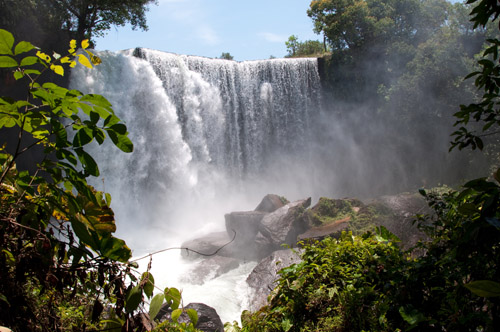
210, 136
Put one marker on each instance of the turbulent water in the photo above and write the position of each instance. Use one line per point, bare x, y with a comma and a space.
210, 136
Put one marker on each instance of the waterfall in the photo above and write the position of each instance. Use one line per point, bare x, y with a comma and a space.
210, 136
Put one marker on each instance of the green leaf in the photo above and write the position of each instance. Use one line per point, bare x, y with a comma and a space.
7, 121
88, 162
82, 137
173, 297
133, 298
484, 288
6, 42
111, 120
119, 128
193, 316
411, 315
83, 233
7, 62
155, 305
176, 314
18, 75
286, 325
97, 100
4, 298
115, 249
383, 235
149, 284
23, 47
121, 141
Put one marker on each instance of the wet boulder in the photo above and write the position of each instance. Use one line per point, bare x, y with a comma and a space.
244, 225
262, 279
271, 203
282, 227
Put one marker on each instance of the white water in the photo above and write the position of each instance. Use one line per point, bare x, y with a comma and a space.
210, 137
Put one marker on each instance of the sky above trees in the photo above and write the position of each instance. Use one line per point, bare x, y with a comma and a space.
248, 30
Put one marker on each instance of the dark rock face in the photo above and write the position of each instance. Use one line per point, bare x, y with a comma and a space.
208, 319
263, 277
270, 203
282, 226
403, 208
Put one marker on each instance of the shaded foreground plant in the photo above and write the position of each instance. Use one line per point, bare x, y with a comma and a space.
61, 268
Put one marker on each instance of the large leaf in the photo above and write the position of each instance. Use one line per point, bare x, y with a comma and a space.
193, 316
176, 314
484, 288
133, 299
88, 163
115, 249
155, 305
173, 297
6, 42
83, 136
148, 284
7, 62
121, 141
23, 47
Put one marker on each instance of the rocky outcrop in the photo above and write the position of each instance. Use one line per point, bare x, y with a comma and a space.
245, 224
259, 235
271, 203
262, 279
282, 227
208, 319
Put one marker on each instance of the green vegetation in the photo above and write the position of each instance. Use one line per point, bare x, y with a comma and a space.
60, 265
226, 56
308, 48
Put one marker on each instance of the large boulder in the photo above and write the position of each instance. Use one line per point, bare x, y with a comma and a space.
208, 319
282, 227
244, 224
403, 208
271, 203
263, 277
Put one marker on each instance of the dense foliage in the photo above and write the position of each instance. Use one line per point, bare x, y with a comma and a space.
308, 48
60, 265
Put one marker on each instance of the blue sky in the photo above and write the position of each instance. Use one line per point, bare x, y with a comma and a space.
249, 29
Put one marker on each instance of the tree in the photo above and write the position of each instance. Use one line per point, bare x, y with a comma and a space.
480, 120
226, 56
296, 48
292, 45
79, 19
88, 18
